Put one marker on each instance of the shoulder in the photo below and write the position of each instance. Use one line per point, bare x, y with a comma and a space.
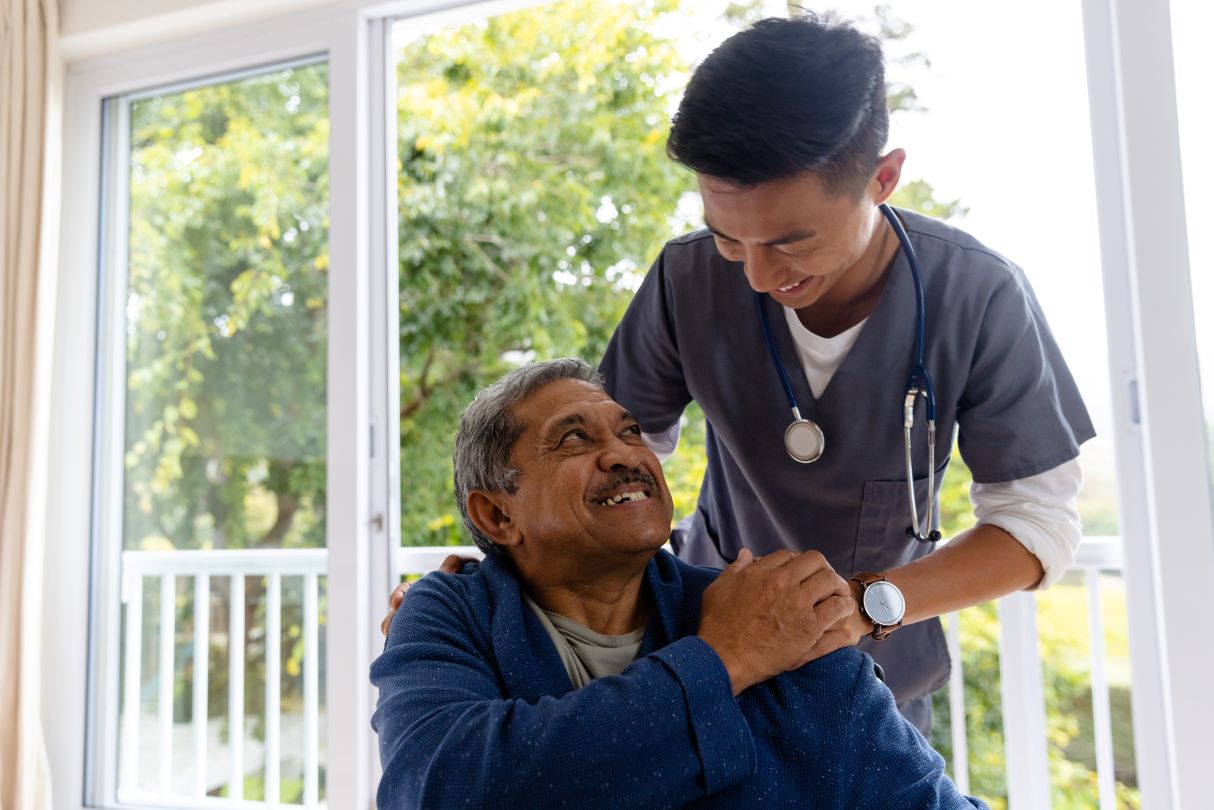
949, 250
849, 667
694, 252
445, 600
696, 238
832, 684
678, 589
692, 578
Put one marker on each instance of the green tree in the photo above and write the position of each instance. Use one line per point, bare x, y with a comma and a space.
226, 324
534, 190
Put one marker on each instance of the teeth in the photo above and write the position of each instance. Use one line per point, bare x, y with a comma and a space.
622, 497
790, 286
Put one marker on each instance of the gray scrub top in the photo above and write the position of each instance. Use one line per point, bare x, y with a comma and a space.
692, 332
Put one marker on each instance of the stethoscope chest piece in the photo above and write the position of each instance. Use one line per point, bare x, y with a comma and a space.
804, 441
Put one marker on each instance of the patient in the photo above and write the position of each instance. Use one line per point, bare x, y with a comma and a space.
580, 665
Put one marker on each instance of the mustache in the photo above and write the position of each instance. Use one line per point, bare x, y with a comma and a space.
635, 475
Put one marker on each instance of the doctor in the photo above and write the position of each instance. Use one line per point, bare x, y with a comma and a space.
797, 304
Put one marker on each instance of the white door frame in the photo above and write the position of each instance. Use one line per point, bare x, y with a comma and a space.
81, 381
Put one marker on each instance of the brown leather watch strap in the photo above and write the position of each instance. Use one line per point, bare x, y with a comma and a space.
880, 631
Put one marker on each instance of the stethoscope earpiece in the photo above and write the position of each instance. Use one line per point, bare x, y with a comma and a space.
932, 537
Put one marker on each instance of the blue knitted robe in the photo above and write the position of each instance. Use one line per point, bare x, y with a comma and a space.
476, 710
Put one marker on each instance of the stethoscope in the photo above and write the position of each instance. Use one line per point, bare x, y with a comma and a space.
804, 440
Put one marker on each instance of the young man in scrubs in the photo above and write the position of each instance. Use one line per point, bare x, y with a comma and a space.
785, 127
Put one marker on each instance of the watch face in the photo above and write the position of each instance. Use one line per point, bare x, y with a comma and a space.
883, 603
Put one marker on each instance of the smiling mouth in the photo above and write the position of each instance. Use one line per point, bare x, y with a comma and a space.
624, 497
794, 286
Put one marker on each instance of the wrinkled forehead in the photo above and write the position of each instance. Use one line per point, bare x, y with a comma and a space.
566, 401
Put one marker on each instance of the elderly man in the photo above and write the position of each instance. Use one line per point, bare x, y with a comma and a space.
580, 665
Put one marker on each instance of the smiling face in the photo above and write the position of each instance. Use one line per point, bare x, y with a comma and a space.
797, 242
587, 488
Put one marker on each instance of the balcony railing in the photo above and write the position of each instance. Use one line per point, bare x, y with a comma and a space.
1024, 727
201, 567
1020, 663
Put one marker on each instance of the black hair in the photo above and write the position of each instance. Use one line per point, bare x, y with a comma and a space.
783, 97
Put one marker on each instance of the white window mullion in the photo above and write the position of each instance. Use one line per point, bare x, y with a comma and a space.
384, 331
348, 704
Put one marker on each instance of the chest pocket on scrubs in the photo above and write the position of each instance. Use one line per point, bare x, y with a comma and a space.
881, 541
915, 658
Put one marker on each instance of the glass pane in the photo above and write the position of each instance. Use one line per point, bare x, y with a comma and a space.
534, 192
1193, 64
223, 492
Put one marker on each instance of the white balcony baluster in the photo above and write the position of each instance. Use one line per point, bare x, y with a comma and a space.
236, 686
132, 591
164, 698
273, 686
311, 684
201, 566
1028, 773
1102, 724
202, 659
956, 704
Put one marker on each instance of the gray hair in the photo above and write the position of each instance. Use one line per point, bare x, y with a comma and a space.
488, 432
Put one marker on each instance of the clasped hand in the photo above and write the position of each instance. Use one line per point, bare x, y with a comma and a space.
762, 616
776, 613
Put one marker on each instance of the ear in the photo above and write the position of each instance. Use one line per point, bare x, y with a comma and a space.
490, 512
887, 175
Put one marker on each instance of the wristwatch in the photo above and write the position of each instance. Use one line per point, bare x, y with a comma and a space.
881, 603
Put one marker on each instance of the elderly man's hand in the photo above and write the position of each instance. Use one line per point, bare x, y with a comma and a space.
452, 564
776, 613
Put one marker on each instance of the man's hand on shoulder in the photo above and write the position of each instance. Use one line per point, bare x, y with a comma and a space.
775, 614
452, 564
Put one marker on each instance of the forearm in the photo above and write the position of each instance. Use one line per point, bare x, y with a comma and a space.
976, 566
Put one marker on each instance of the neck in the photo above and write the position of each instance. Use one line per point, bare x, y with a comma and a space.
608, 602
854, 296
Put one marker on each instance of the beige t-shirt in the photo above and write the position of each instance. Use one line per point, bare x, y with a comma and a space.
586, 654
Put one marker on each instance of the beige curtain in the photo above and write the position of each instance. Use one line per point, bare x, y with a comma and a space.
28, 89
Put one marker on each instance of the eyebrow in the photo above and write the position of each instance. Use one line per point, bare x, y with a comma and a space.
789, 238
576, 419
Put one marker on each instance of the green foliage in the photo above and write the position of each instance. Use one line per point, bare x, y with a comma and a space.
534, 190
225, 314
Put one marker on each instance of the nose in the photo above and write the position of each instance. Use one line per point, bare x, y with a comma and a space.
619, 453
762, 271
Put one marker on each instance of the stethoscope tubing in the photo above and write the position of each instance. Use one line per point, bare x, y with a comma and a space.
919, 384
